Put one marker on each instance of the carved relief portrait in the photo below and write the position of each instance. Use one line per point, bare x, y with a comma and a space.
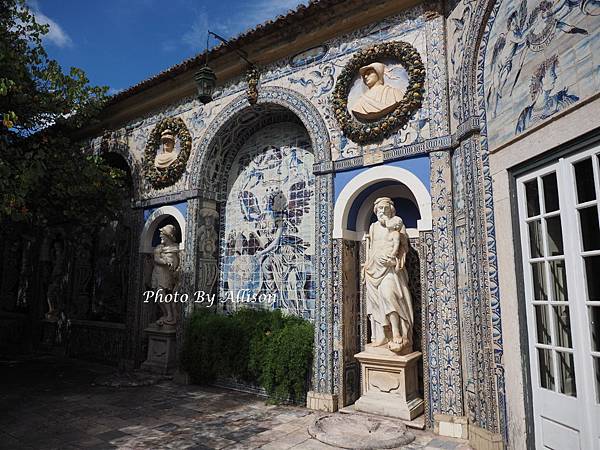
378, 91
167, 152
378, 97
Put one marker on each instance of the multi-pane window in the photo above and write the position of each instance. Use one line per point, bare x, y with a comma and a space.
548, 285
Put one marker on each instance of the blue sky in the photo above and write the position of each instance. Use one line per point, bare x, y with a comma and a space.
119, 43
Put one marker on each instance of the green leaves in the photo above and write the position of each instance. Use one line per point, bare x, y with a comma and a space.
45, 178
252, 346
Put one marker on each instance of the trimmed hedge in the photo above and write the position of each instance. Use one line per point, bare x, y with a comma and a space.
259, 347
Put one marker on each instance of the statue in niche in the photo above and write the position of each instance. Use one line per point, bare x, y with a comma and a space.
389, 303
207, 233
164, 273
166, 157
380, 99
57, 276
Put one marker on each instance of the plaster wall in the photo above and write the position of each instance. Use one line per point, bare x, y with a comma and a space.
551, 135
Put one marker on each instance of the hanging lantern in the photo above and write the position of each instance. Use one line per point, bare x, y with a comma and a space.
206, 80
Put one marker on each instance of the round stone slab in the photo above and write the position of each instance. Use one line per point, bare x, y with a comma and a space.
359, 431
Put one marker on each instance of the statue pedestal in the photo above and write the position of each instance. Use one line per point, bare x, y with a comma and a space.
162, 357
389, 383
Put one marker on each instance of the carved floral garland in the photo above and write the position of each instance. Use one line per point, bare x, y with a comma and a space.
410, 59
161, 178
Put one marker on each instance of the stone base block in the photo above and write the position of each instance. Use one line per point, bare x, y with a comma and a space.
321, 402
481, 439
451, 426
389, 383
162, 357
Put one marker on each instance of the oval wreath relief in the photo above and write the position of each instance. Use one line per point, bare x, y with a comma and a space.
167, 129
381, 110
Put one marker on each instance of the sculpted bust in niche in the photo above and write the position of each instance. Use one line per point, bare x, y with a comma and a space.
379, 99
166, 157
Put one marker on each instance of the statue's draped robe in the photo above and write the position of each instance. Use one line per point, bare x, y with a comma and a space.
387, 287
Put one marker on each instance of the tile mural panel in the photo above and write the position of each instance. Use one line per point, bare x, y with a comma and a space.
267, 246
542, 57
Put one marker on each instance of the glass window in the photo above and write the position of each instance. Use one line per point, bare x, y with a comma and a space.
592, 272
562, 326
566, 373
590, 232
546, 368
594, 314
535, 239
558, 278
543, 324
555, 240
550, 192
584, 177
539, 281
533, 198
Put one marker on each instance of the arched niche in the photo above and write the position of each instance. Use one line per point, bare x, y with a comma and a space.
354, 206
159, 217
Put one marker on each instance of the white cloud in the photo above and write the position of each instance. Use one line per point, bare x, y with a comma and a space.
195, 37
56, 35
244, 17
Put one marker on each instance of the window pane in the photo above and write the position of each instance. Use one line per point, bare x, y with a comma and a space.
535, 239
542, 324
550, 192
539, 281
584, 177
533, 198
558, 278
562, 326
594, 312
546, 368
566, 373
589, 228
555, 241
592, 272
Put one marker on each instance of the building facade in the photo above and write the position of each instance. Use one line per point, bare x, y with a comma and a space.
491, 159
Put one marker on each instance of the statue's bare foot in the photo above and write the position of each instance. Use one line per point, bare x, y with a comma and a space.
379, 342
398, 344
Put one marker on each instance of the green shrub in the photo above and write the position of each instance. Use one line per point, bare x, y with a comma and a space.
284, 371
260, 347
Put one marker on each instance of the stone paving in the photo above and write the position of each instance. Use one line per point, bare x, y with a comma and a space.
47, 402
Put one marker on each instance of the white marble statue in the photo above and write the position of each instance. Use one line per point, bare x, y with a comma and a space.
379, 99
164, 273
389, 303
166, 157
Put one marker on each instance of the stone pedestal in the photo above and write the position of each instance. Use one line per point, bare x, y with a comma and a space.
162, 354
389, 383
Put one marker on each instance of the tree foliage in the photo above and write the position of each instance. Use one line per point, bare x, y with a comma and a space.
46, 179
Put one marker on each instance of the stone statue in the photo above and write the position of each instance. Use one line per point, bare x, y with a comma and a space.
164, 273
380, 99
165, 158
389, 303
54, 292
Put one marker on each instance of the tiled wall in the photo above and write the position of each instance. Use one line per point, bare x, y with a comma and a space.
542, 57
269, 230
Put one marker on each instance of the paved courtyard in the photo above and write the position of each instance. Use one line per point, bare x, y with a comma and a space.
54, 403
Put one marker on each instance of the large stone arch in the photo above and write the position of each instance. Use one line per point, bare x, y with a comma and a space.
116, 143
269, 96
298, 108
